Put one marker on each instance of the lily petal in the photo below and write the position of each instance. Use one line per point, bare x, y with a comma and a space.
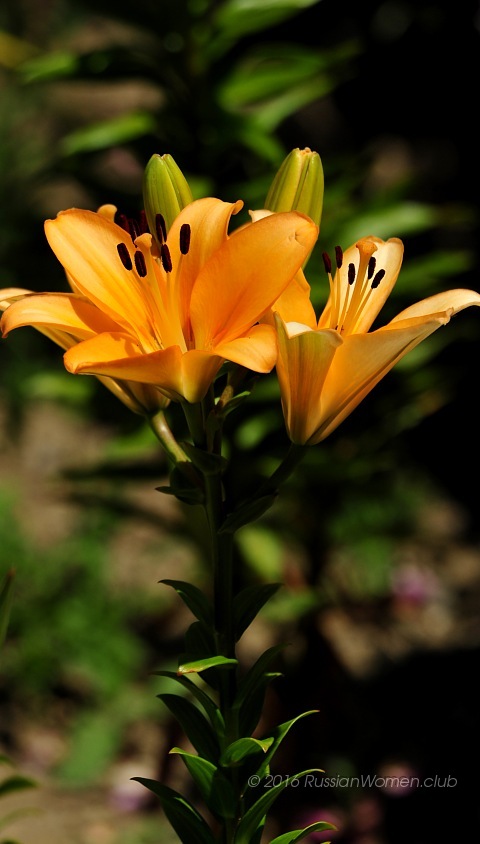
304, 360
63, 311
247, 274
85, 243
179, 376
361, 362
451, 301
257, 350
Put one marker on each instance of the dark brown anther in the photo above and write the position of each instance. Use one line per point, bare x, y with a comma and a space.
143, 222
124, 255
377, 279
185, 233
140, 264
122, 221
134, 229
166, 259
371, 267
351, 273
327, 262
339, 256
160, 228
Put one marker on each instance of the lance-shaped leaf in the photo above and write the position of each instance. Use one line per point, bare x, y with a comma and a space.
239, 750
194, 598
15, 783
254, 817
210, 708
251, 691
209, 464
194, 725
279, 734
214, 787
248, 512
299, 834
209, 662
184, 818
249, 602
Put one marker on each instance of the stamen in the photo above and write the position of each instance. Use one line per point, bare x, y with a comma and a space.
371, 267
166, 258
140, 264
327, 262
134, 229
124, 255
160, 228
185, 233
339, 256
122, 221
143, 222
351, 273
376, 281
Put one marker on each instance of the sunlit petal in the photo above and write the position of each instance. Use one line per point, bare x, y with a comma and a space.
247, 274
63, 311
451, 301
257, 350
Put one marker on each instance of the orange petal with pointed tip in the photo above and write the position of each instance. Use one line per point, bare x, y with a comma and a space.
247, 274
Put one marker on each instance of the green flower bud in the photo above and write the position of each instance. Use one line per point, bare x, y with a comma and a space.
165, 192
298, 185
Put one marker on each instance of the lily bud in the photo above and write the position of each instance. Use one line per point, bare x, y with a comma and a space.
165, 192
298, 185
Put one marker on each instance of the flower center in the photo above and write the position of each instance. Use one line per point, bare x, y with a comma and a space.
352, 285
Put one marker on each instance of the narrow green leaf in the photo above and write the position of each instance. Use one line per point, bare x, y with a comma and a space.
108, 133
209, 464
215, 789
15, 783
194, 598
252, 707
249, 602
254, 817
255, 675
194, 724
210, 707
208, 662
278, 735
199, 643
247, 512
298, 834
6, 597
240, 749
184, 818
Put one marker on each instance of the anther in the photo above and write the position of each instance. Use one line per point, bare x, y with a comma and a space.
134, 229
339, 256
122, 221
377, 279
185, 233
327, 262
140, 264
143, 222
371, 267
160, 228
166, 259
351, 273
124, 255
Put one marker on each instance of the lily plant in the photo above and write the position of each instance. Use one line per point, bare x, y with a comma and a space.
175, 307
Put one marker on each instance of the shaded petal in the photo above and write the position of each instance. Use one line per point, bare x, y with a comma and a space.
11, 294
85, 243
361, 362
451, 301
303, 363
256, 351
247, 274
179, 376
63, 311
294, 304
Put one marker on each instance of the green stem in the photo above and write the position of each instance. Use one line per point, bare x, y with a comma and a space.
289, 463
173, 450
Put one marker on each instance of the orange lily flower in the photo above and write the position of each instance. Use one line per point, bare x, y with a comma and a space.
143, 399
168, 317
326, 368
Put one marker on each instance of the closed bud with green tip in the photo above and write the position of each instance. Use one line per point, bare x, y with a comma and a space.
298, 185
165, 193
